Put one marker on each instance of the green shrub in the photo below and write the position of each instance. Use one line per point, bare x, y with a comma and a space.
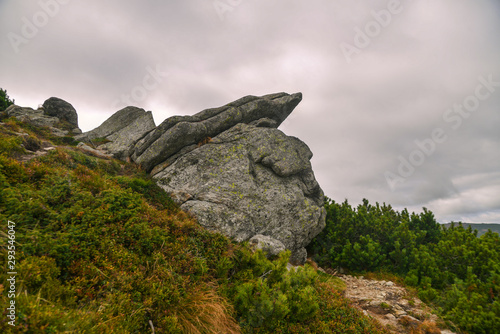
11, 146
364, 255
66, 140
451, 268
149, 190
5, 100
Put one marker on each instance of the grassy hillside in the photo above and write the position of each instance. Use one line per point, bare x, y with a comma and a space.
97, 247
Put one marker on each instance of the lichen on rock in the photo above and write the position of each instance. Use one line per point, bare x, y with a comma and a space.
247, 181
229, 166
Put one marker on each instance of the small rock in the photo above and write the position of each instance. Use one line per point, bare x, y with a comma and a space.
270, 246
403, 303
94, 152
21, 134
180, 196
390, 316
58, 132
407, 320
399, 313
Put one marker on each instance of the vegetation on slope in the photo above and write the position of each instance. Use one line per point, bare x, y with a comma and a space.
99, 248
451, 267
5, 100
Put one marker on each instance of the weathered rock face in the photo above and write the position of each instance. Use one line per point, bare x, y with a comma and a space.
178, 132
29, 115
247, 181
61, 109
39, 118
119, 133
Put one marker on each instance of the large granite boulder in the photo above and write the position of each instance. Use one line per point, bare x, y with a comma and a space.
118, 135
249, 181
61, 109
179, 132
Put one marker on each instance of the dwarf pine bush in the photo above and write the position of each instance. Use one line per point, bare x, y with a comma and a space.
452, 268
5, 100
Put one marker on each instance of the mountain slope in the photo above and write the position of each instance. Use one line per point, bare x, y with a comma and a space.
97, 247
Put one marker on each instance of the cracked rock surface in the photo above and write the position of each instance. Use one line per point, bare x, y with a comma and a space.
178, 132
52, 118
250, 181
119, 133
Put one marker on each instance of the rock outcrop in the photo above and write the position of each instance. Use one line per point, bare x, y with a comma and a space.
118, 135
237, 174
58, 115
228, 166
179, 132
31, 116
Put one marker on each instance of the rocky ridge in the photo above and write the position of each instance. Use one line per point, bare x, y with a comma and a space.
229, 166
184, 133
57, 115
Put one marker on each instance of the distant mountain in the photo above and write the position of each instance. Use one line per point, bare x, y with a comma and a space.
481, 228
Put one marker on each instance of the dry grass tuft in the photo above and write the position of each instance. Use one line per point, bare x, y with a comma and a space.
426, 327
206, 312
312, 263
204, 141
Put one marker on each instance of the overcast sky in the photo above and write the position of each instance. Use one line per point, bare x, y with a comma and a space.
401, 99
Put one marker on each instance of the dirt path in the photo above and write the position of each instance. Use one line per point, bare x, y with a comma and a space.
392, 305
